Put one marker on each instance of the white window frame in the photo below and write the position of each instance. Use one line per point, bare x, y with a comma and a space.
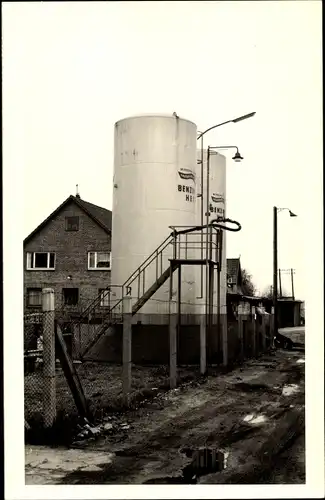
98, 268
31, 257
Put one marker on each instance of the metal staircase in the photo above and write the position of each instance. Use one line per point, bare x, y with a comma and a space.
176, 248
136, 284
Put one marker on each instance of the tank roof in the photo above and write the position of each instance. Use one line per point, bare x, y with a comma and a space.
155, 115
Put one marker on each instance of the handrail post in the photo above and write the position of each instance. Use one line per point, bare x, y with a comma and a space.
210, 243
127, 349
175, 245
139, 280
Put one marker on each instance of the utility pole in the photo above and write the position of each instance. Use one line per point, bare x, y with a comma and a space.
293, 292
275, 269
280, 286
275, 264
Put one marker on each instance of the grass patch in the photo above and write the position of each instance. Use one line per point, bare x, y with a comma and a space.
102, 385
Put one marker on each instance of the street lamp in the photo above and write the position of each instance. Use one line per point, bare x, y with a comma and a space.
234, 120
290, 212
235, 158
275, 262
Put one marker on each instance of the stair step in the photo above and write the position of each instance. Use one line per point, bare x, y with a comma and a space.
150, 292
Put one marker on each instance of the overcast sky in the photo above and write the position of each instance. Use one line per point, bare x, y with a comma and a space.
71, 70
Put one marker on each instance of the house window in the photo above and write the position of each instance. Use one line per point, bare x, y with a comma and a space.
40, 260
70, 296
99, 260
34, 297
104, 299
72, 223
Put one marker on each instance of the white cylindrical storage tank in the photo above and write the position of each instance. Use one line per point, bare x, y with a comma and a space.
217, 206
154, 188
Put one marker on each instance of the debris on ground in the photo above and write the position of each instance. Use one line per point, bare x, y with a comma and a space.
254, 422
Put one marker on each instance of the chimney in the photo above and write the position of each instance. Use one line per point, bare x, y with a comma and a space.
77, 192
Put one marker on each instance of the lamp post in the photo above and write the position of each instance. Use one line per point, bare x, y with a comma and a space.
237, 157
201, 161
200, 136
275, 263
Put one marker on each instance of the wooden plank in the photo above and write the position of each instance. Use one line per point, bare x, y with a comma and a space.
71, 375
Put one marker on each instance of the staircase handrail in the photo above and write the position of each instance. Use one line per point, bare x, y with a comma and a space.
94, 303
130, 279
148, 261
215, 223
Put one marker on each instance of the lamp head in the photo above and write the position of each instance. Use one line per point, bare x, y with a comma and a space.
292, 214
244, 117
237, 157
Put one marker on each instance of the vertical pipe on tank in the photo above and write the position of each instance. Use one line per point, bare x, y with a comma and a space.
202, 184
207, 239
220, 234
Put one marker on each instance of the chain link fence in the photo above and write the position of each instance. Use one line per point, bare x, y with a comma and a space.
33, 365
102, 373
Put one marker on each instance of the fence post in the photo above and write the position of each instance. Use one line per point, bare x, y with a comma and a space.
203, 341
49, 382
263, 333
241, 336
255, 331
224, 336
172, 345
272, 330
127, 348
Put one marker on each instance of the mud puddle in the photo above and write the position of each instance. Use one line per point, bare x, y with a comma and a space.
204, 461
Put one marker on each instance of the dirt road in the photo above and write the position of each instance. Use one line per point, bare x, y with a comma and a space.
244, 427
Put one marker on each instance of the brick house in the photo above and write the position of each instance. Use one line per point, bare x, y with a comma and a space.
70, 251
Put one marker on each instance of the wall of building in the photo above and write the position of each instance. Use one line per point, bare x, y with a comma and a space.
297, 314
71, 249
288, 313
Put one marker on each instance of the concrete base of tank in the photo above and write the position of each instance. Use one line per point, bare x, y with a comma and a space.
150, 341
